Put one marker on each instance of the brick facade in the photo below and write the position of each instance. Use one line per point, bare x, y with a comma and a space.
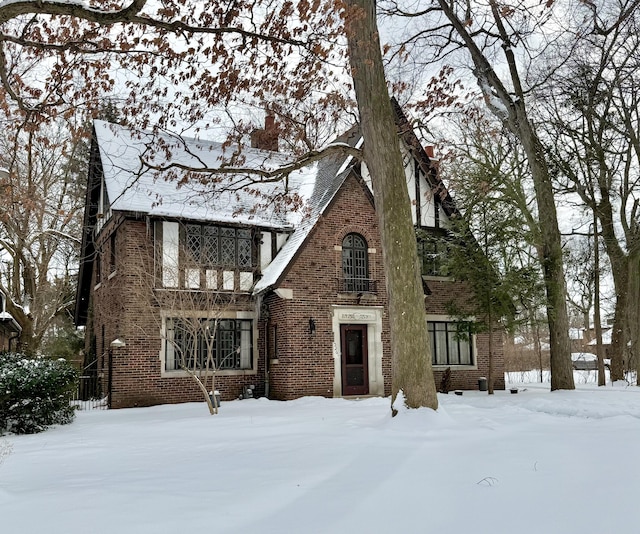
124, 307
305, 363
309, 317
292, 360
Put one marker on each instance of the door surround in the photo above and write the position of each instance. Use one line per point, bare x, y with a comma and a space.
371, 316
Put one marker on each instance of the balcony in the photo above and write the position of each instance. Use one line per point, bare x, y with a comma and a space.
358, 285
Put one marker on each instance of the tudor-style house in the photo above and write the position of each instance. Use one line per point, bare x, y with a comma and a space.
292, 302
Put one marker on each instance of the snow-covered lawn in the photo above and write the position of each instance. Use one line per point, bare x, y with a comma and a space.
535, 462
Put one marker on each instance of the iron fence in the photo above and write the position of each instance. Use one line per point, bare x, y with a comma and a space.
88, 395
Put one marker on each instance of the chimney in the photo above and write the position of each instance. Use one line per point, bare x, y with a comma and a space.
429, 150
267, 137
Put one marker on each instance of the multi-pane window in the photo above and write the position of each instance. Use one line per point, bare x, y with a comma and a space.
226, 344
432, 253
212, 246
355, 265
200, 256
451, 343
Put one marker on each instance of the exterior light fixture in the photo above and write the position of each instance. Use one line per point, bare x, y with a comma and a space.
118, 343
312, 326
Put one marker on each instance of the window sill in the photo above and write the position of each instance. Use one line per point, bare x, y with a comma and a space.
432, 278
198, 290
183, 374
455, 367
97, 286
112, 274
362, 297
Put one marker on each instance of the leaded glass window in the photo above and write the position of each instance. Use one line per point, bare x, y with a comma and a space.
200, 256
191, 342
355, 264
228, 247
210, 246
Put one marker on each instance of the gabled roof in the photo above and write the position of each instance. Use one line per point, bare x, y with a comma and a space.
171, 192
331, 174
117, 155
408, 135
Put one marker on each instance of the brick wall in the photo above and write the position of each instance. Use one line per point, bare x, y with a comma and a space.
305, 361
305, 364
443, 292
123, 306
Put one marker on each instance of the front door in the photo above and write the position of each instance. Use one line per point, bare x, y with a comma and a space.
355, 376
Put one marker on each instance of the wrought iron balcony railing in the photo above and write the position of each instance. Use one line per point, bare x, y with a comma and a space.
357, 285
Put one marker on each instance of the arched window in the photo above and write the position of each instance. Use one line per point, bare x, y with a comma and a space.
355, 265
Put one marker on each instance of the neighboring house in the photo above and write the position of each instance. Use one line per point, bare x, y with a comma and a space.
578, 339
297, 299
9, 328
607, 335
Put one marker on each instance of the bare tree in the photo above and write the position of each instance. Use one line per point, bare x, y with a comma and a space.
593, 111
181, 63
189, 325
412, 373
39, 223
488, 35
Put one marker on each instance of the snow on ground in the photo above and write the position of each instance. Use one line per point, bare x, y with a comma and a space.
561, 462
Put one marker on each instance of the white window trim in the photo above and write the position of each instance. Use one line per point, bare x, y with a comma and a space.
179, 373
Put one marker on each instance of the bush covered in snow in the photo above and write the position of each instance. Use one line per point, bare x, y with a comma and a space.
34, 393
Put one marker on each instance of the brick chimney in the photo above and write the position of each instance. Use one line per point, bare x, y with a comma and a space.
267, 137
429, 150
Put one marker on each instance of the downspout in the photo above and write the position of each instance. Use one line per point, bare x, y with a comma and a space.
263, 314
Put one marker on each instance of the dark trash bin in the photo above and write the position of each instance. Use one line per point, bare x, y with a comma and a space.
482, 383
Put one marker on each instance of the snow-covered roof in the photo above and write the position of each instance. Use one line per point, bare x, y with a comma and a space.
331, 173
6, 317
583, 357
133, 186
606, 338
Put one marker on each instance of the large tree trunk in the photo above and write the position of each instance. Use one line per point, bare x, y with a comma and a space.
633, 315
620, 271
410, 349
508, 102
551, 259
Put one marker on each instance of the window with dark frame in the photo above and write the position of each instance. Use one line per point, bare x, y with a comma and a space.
188, 344
451, 343
98, 266
433, 249
213, 246
112, 253
355, 264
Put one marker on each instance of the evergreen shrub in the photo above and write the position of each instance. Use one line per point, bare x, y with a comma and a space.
34, 393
